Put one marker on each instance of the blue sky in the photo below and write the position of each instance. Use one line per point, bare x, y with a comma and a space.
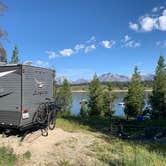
81, 37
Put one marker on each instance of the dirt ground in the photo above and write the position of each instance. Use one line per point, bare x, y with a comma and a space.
58, 148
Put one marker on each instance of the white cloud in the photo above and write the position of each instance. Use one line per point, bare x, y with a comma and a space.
107, 44
127, 38
51, 54
41, 63
158, 43
155, 9
162, 7
90, 48
79, 47
132, 44
148, 23
151, 22
75, 73
161, 44
137, 44
66, 52
128, 42
133, 26
164, 12
91, 40
162, 23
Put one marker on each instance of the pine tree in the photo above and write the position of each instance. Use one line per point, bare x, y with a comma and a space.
65, 94
15, 58
95, 103
158, 98
134, 100
55, 88
83, 111
3, 56
108, 101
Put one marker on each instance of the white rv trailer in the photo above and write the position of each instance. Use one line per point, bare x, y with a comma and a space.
22, 89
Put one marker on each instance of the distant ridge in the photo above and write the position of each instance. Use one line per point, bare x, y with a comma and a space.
107, 77
113, 77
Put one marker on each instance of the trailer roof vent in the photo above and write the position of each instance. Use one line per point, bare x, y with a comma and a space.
28, 63
2, 63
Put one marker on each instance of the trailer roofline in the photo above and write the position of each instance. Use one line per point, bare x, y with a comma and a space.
37, 67
10, 65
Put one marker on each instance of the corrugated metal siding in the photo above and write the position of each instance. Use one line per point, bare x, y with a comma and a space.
9, 117
10, 105
32, 94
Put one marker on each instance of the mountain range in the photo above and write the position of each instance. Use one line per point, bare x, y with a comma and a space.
107, 77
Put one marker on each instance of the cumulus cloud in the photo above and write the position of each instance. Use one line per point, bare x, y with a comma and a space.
148, 23
90, 48
132, 44
161, 44
72, 72
157, 8
91, 40
127, 38
107, 43
66, 52
51, 54
41, 63
151, 22
79, 47
164, 12
133, 26
128, 42
162, 23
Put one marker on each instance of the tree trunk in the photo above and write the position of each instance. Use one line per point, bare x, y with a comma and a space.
127, 117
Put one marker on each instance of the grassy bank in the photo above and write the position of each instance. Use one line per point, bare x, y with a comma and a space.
109, 150
7, 158
76, 123
77, 141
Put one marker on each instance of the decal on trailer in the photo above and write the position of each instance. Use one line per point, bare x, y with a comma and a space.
6, 73
41, 88
6, 94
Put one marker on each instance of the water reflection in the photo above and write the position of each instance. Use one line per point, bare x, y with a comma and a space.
119, 110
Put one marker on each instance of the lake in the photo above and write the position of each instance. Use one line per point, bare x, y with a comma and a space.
119, 110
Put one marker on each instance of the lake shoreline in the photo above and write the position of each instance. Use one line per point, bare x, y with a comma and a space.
115, 90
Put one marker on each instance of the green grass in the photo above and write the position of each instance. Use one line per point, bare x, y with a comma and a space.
113, 151
76, 123
27, 155
79, 87
7, 158
64, 163
118, 152
71, 126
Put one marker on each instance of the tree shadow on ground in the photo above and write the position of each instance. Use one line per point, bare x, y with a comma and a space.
94, 123
23, 133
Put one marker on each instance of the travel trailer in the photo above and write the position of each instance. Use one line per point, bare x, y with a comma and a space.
23, 91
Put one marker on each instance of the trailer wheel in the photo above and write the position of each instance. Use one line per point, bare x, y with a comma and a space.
51, 120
